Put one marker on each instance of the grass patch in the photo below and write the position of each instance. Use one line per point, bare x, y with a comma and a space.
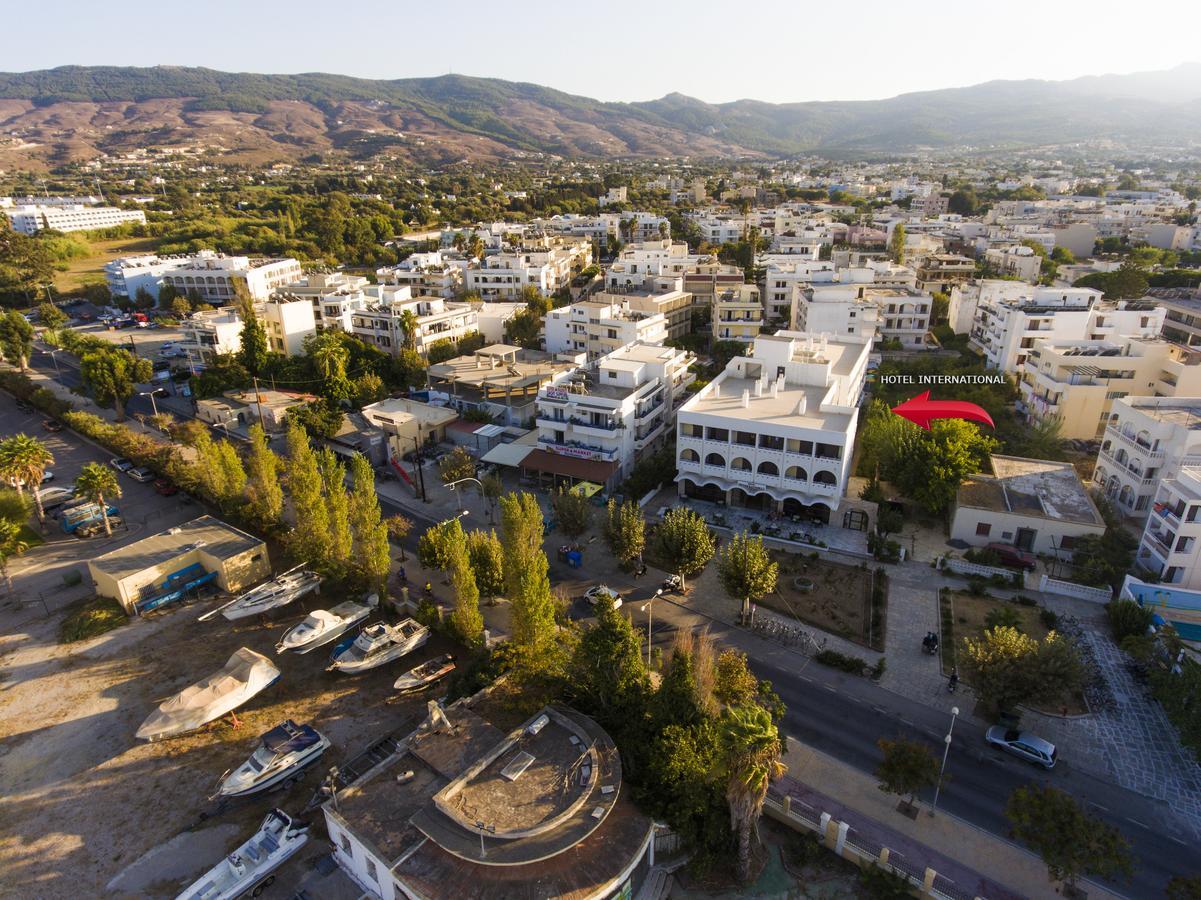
91, 619
89, 269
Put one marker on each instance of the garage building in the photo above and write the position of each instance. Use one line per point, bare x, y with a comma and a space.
176, 563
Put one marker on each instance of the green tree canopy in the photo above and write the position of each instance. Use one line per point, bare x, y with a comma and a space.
907, 767
573, 512
746, 570
527, 585
684, 542
625, 530
1070, 842
112, 373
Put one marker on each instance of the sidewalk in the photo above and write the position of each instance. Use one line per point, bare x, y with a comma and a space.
980, 864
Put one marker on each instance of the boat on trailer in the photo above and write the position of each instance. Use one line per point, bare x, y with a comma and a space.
282, 754
321, 626
279, 591
249, 867
378, 644
422, 676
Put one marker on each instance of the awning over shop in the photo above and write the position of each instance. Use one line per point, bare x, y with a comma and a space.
508, 454
597, 471
587, 489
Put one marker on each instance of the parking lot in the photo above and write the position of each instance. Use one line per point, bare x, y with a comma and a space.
98, 812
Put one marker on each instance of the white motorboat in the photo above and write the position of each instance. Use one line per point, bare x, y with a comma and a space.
322, 626
250, 866
273, 594
244, 675
378, 644
424, 675
282, 753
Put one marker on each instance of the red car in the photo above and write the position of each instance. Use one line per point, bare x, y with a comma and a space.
1013, 557
166, 488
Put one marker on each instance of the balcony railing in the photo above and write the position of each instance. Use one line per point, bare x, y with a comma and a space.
1141, 446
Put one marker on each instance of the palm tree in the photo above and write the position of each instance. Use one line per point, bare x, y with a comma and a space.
751, 760
408, 321
23, 463
98, 484
330, 356
11, 543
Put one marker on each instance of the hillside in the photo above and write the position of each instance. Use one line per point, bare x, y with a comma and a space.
77, 112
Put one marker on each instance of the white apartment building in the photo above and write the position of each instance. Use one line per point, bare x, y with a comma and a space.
31, 219
334, 296
643, 261
595, 422
432, 274
547, 269
737, 313
1005, 327
1169, 548
1076, 382
381, 321
836, 311
1146, 440
783, 283
1016, 259
208, 275
776, 430
722, 229
211, 333
657, 296
287, 320
600, 326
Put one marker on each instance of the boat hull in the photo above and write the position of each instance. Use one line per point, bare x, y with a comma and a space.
230, 788
243, 610
324, 637
351, 667
223, 882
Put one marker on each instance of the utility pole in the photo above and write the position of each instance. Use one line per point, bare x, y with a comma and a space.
417, 465
257, 401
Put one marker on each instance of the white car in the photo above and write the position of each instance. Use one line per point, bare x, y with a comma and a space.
593, 594
121, 464
54, 497
141, 473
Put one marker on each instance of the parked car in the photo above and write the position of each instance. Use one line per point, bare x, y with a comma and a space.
593, 594
52, 425
54, 497
141, 473
121, 464
165, 488
1012, 556
1023, 745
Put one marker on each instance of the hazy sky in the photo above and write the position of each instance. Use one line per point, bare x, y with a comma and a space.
619, 50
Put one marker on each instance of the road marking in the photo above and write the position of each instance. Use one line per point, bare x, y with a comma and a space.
830, 689
1178, 841
907, 722
1136, 822
1100, 807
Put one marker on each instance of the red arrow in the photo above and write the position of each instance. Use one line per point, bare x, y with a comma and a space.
921, 410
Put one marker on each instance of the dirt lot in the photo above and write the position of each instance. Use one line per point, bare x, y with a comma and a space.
828, 595
83, 800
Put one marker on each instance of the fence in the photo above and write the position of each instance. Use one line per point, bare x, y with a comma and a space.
845, 841
963, 567
1071, 589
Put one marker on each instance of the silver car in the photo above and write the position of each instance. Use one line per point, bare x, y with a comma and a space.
1023, 745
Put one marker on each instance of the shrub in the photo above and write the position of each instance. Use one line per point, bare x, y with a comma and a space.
1003, 617
1021, 600
878, 669
1126, 618
1049, 619
835, 660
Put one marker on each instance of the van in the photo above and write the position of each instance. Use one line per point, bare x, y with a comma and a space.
83, 515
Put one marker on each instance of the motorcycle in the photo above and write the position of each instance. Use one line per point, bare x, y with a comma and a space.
953, 681
672, 584
930, 643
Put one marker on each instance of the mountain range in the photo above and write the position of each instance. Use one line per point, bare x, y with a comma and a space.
75, 112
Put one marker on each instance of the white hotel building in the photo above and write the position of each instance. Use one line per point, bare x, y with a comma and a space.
33, 218
776, 431
1170, 547
1147, 440
598, 327
380, 322
208, 275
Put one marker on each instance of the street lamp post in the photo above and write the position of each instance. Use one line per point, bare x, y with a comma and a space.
945, 751
451, 486
650, 623
153, 405
54, 359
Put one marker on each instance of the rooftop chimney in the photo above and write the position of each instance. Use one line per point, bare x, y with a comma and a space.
746, 398
800, 407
